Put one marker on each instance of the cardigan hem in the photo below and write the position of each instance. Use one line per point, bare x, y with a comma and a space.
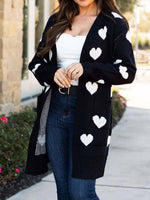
86, 176
35, 172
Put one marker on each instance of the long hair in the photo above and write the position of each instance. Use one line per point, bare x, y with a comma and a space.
65, 12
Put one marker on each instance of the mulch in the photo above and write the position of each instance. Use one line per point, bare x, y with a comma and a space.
22, 182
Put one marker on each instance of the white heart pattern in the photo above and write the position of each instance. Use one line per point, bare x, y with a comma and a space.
50, 55
46, 84
41, 139
116, 15
103, 32
108, 140
101, 81
117, 61
92, 88
86, 139
47, 89
95, 53
123, 71
45, 60
35, 67
99, 121
128, 36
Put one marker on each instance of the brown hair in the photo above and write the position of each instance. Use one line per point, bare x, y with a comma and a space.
67, 10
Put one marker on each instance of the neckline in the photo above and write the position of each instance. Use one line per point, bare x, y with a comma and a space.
88, 34
90, 27
75, 35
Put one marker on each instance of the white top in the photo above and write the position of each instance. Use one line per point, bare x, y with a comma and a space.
68, 50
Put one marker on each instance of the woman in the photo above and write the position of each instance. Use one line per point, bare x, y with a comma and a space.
84, 50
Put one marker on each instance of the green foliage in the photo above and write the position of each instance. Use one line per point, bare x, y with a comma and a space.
14, 138
118, 106
126, 5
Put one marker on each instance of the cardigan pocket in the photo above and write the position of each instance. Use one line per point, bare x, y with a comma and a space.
95, 150
102, 111
92, 161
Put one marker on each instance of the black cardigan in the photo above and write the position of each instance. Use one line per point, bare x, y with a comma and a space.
107, 59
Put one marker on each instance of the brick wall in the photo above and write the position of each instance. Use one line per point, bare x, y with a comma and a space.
11, 46
11, 19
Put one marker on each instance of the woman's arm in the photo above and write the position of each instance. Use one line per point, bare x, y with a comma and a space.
123, 69
42, 69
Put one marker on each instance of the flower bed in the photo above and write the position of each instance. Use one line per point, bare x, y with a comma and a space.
118, 106
14, 137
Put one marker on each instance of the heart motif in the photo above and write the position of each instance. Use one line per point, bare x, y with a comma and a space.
41, 139
116, 15
35, 67
86, 139
91, 87
50, 55
46, 84
45, 60
103, 32
117, 61
95, 53
128, 36
108, 140
101, 81
123, 72
47, 89
99, 121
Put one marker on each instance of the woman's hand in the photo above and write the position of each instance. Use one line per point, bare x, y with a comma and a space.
61, 78
74, 71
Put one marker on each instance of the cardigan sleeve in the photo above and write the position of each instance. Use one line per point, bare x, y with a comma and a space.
42, 69
123, 68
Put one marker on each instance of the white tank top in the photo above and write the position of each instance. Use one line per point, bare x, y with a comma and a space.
68, 50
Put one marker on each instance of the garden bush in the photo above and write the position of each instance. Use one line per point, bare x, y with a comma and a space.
118, 106
15, 133
14, 138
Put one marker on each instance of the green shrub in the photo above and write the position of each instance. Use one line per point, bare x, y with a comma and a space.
14, 138
118, 106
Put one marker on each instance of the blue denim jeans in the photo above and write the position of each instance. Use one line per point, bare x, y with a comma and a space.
59, 130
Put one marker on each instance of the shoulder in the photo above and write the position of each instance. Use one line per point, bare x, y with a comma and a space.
51, 20
117, 23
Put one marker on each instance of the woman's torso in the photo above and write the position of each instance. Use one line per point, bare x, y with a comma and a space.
69, 50
81, 25
70, 43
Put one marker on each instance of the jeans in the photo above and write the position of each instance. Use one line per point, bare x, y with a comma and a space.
59, 130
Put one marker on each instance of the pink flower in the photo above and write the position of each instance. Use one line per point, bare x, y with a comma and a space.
122, 105
17, 170
4, 119
118, 95
0, 170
